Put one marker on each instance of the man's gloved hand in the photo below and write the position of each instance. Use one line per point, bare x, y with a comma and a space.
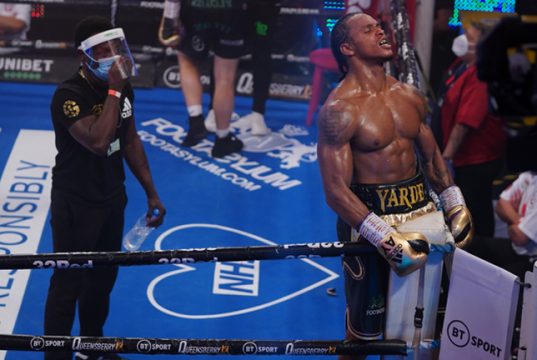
404, 251
458, 216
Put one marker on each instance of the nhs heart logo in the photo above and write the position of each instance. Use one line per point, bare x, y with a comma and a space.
224, 289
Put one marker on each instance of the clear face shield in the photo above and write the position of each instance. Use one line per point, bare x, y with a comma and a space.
106, 48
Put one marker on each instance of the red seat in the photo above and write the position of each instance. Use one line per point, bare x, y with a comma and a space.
323, 60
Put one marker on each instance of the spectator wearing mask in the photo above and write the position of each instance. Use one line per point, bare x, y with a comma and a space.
473, 138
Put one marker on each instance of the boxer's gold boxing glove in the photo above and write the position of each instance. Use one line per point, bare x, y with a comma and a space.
458, 216
169, 28
404, 251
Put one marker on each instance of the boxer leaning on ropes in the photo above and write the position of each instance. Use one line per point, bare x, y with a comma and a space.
370, 130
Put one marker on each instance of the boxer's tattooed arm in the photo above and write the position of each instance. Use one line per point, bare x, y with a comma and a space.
337, 126
334, 123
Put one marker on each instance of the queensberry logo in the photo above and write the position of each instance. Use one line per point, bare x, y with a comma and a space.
233, 288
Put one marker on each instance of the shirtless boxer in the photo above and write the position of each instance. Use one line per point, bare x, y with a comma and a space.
369, 131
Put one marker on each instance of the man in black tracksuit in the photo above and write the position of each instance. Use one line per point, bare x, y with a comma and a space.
92, 114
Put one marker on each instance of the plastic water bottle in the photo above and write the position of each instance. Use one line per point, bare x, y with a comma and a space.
137, 234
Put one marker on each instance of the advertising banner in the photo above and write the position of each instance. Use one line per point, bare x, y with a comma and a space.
283, 86
39, 68
36, 68
480, 310
25, 197
46, 53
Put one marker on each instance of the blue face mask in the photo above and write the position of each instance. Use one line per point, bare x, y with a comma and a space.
104, 67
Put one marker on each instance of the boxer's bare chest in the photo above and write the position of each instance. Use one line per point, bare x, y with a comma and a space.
384, 118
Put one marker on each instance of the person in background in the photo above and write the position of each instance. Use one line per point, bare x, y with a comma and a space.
198, 27
93, 118
14, 24
263, 15
441, 54
517, 207
473, 137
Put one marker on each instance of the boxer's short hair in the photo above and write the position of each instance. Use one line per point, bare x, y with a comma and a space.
339, 35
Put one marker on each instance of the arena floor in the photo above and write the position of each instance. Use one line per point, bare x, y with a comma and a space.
270, 194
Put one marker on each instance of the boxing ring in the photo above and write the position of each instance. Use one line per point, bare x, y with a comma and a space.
191, 346
486, 345
453, 327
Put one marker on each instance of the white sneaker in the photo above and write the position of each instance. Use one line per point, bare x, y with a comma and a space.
210, 120
243, 124
257, 123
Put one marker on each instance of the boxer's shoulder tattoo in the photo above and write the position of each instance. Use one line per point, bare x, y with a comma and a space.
334, 121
